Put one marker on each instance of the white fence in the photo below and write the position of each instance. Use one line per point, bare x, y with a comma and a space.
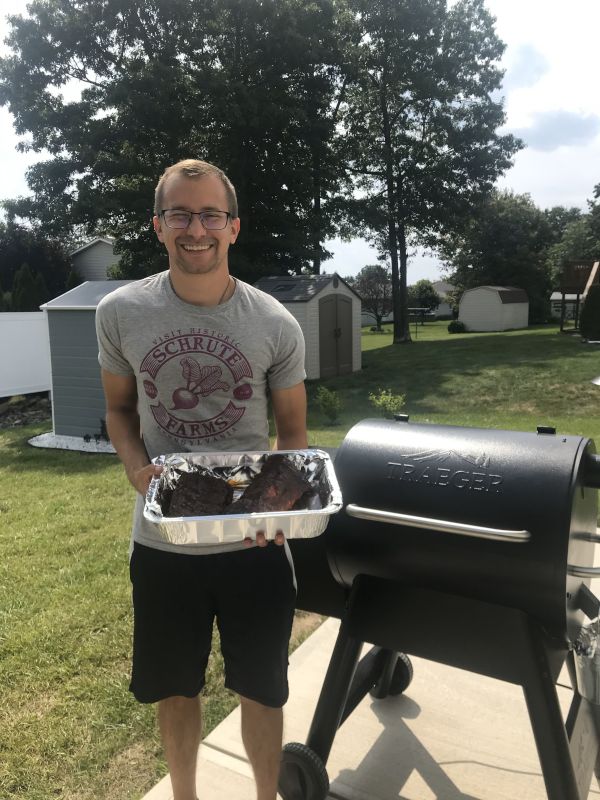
24, 353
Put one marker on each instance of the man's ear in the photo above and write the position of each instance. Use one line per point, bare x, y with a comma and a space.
235, 229
157, 227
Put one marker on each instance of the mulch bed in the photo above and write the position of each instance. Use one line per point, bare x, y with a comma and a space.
25, 410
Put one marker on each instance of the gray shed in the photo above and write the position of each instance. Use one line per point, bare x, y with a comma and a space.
494, 308
77, 397
93, 260
329, 312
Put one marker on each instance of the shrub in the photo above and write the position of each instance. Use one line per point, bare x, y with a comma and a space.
386, 402
330, 404
589, 323
457, 327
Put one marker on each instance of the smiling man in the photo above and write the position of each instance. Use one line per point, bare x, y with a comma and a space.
190, 358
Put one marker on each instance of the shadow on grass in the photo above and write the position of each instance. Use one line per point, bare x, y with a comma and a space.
549, 369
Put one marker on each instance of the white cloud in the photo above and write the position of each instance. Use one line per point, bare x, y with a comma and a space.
550, 130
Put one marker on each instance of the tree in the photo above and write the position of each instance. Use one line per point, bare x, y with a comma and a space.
422, 100
247, 84
423, 295
590, 315
504, 244
32, 245
23, 294
577, 244
373, 284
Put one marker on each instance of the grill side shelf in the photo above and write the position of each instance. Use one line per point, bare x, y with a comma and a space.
438, 525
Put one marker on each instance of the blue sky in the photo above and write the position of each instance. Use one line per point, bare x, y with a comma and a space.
551, 99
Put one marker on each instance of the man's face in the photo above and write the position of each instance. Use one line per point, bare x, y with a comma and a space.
194, 250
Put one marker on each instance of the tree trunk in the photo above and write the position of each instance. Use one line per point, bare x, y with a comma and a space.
402, 335
398, 305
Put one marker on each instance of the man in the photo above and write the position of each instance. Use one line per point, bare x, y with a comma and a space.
188, 359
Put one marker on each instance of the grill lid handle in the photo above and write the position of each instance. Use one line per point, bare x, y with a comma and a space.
438, 525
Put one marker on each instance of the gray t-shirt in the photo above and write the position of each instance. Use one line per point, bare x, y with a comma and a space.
202, 373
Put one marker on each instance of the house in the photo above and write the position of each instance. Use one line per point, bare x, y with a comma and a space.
494, 308
329, 312
93, 260
444, 310
78, 407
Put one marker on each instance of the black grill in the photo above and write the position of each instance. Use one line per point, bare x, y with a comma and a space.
495, 528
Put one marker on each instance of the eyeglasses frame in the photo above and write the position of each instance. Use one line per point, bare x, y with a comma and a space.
195, 214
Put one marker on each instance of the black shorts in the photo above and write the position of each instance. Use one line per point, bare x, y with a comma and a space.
176, 598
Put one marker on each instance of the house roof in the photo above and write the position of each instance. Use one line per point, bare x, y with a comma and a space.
443, 287
83, 297
298, 288
99, 239
507, 294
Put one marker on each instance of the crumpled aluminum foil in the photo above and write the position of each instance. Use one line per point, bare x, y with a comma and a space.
239, 469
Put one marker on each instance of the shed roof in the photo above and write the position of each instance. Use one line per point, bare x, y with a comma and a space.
85, 296
98, 240
507, 294
297, 288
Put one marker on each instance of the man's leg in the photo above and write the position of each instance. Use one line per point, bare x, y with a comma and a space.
180, 728
262, 735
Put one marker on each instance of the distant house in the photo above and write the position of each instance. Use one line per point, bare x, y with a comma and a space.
328, 311
494, 308
93, 260
444, 310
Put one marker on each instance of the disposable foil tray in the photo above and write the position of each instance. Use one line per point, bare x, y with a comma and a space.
238, 469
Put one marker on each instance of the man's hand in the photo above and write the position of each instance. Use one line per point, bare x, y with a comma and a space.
262, 541
140, 478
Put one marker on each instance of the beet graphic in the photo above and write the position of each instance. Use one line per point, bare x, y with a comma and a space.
183, 398
243, 392
150, 389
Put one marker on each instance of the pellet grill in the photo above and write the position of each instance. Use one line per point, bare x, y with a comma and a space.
497, 529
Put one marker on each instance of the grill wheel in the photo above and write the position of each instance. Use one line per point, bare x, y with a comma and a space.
303, 775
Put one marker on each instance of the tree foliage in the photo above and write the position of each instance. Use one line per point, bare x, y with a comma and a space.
374, 285
47, 256
423, 295
422, 99
590, 315
504, 244
247, 84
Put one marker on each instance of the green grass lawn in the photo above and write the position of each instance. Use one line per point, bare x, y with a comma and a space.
515, 380
69, 728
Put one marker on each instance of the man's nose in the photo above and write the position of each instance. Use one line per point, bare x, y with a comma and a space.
196, 225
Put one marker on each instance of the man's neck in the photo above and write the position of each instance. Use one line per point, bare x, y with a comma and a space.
210, 290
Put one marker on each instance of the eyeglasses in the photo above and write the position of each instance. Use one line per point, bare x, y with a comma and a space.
211, 220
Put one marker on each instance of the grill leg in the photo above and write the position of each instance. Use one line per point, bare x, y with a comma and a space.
334, 693
547, 723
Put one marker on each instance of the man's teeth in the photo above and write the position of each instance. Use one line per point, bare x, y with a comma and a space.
196, 246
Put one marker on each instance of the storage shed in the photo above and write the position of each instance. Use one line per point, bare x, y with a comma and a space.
328, 310
494, 308
77, 398
93, 260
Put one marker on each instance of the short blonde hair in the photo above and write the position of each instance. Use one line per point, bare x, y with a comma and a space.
194, 168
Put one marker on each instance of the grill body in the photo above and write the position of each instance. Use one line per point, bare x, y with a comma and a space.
531, 485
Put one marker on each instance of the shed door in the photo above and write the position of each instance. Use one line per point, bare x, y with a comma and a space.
335, 335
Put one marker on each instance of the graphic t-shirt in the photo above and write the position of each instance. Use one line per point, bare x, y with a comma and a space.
202, 373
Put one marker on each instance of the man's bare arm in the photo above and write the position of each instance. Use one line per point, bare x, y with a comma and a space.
123, 426
289, 411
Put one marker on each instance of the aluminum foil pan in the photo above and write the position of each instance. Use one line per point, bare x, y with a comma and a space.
238, 469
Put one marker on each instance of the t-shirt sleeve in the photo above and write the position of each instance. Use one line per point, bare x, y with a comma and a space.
287, 369
110, 353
